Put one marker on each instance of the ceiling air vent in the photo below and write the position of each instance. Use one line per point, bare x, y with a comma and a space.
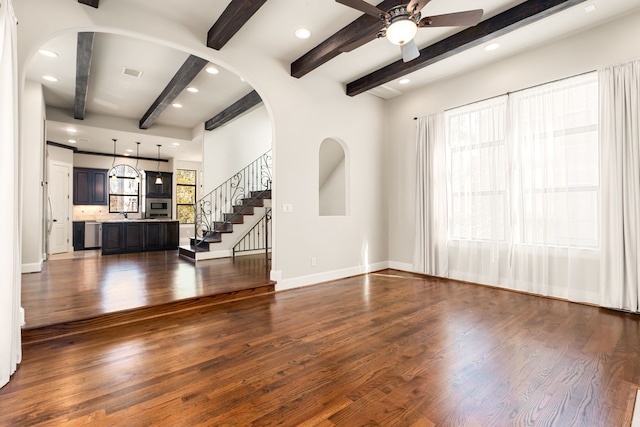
131, 72
384, 92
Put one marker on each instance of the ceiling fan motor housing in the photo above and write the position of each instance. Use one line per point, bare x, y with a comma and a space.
401, 17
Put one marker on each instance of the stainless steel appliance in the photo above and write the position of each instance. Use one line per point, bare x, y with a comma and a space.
158, 208
92, 235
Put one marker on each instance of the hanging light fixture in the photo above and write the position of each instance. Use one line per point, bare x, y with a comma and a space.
159, 176
113, 164
403, 25
137, 178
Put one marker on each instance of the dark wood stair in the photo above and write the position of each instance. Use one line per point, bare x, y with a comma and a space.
256, 200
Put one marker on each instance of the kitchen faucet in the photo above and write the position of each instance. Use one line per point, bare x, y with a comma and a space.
125, 214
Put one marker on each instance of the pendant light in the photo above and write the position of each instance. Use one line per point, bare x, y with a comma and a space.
159, 176
113, 164
137, 179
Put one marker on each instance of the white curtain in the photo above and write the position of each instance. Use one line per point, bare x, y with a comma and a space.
522, 185
476, 191
553, 148
620, 160
10, 352
430, 255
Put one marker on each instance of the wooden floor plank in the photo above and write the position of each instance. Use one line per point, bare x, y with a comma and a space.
388, 348
86, 284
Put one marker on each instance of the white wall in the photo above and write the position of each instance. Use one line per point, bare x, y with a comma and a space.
59, 154
33, 137
331, 194
229, 148
311, 110
579, 53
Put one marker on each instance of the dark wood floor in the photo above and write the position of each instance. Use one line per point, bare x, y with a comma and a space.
385, 349
86, 284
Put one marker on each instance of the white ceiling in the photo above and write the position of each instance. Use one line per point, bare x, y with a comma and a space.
114, 95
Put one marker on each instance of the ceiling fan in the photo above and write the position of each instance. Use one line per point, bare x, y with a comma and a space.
401, 23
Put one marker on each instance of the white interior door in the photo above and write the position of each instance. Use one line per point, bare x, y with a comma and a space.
58, 220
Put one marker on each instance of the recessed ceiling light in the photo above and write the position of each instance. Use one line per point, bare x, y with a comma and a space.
302, 33
126, 154
193, 89
129, 150
404, 81
492, 46
176, 105
50, 78
590, 8
175, 143
71, 141
48, 53
72, 130
212, 70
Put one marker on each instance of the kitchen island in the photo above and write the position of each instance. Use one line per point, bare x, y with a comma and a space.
139, 235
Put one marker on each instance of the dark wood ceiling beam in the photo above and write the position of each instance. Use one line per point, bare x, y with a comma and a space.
236, 109
187, 72
84, 52
330, 48
510, 20
232, 19
92, 3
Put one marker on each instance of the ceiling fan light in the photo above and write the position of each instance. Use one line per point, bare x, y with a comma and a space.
401, 31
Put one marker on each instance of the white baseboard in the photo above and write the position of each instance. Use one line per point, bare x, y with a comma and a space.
635, 418
402, 266
35, 267
312, 279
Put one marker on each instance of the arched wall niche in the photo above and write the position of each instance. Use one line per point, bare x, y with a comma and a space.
333, 178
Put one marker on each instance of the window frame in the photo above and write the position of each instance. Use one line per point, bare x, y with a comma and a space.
124, 195
195, 194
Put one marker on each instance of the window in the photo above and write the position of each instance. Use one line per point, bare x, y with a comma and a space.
477, 154
524, 167
186, 195
124, 187
555, 132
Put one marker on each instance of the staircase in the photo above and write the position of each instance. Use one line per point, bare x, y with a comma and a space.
232, 211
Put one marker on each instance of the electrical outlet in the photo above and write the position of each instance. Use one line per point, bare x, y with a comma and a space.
313, 261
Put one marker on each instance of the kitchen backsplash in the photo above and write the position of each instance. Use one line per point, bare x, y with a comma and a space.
98, 213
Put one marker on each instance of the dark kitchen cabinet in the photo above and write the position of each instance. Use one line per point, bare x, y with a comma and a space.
112, 238
90, 186
161, 235
139, 236
133, 236
159, 191
78, 235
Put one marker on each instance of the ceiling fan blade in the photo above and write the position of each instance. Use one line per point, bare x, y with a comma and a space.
358, 42
458, 19
363, 6
409, 51
416, 5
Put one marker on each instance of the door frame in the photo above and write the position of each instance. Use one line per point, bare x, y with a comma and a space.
46, 215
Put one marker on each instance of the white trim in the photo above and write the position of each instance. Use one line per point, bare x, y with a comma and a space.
635, 419
275, 275
34, 267
312, 279
402, 266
